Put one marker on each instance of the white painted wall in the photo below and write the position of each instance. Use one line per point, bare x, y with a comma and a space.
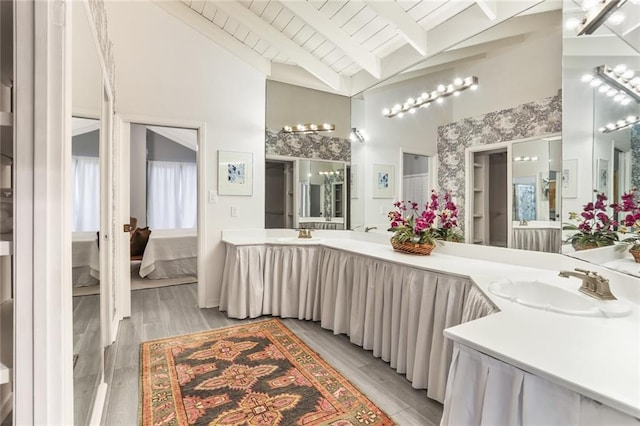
164, 69
138, 174
509, 76
85, 66
288, 104
513, 75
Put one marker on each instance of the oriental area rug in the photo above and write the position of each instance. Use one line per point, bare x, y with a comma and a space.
257, 373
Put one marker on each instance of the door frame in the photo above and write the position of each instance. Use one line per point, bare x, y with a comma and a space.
469, 154
432, 171
123, 286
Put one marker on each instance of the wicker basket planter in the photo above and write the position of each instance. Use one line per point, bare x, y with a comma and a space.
584, 246
407, 247
636, 255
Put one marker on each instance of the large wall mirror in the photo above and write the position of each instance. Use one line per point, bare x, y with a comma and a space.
87, 144
514, 114
597, 159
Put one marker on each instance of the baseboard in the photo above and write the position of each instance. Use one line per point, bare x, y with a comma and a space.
6, 407
98, 405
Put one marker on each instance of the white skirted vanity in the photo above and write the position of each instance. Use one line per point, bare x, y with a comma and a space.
489, 359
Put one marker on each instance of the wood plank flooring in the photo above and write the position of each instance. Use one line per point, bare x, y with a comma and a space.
170, 311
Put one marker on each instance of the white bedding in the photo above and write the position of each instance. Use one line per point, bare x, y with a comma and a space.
170, 253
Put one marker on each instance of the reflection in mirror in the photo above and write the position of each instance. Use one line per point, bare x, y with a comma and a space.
505, 107
279, 185
86, 102
322, 194
601, 159
415, 178
536, 194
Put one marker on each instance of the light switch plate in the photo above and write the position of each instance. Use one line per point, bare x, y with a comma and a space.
213, 196
234, 211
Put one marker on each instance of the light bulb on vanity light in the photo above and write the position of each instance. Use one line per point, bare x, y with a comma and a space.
458, 81
612, 92
439, 100
456, 93
603, 89
619, 69
595, 82
474, 87
442, 88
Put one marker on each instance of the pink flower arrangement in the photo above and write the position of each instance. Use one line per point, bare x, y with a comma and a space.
629, 207
419, 227
595, 227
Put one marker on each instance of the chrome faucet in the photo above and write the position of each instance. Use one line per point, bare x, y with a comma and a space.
593, 284
369, 228
304, 233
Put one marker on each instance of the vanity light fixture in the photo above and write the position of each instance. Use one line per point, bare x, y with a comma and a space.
620, 124
519, 159
331, 173
619, 83
358, 135
437, 95
620, 79
309, 128
596, 13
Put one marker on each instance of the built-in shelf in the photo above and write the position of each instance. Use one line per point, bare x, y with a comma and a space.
477, 189
6, 118
478, 216
5, 374
478, 165
477, 241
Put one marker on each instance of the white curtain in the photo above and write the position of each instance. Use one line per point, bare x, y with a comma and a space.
416, 188
171, 195
86, 193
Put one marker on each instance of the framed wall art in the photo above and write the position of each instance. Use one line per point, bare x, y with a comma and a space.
383, 181
235, 173
602, 176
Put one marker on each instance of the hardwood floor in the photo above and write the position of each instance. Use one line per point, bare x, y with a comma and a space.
170, 311
86, 345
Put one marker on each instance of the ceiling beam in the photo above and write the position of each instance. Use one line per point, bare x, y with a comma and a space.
489, 7
281, 42
407, 27
225, 40
470, 22
336, 35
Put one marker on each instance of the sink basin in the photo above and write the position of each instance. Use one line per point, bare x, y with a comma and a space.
547, 297
296, 240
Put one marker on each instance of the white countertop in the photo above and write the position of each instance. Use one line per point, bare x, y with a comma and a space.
596, 357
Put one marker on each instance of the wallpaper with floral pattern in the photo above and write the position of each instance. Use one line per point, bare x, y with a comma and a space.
312, 146
635, 156
524, 121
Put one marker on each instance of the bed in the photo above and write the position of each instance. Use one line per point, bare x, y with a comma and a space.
85, 259
170, 253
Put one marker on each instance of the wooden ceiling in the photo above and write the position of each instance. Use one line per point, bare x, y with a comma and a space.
346, 46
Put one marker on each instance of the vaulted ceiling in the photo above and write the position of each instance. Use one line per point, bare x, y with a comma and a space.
346, 46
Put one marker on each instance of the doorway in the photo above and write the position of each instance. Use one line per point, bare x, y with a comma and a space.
489, 198
415, 178
160, 179
279, 200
